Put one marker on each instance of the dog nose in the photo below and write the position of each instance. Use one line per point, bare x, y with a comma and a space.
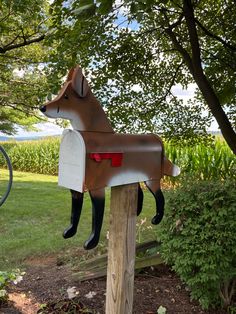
43, 109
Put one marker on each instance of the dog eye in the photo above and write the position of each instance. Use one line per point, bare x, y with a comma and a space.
66, 96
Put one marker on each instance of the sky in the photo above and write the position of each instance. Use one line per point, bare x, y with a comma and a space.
44, 129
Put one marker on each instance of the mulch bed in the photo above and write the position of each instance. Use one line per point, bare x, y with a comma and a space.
46, 283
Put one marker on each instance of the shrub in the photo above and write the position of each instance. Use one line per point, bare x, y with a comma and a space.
199, 239
6, 278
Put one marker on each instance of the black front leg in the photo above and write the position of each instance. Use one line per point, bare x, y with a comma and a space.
76, 207
98, 204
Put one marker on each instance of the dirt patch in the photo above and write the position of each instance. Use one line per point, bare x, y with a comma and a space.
45, 281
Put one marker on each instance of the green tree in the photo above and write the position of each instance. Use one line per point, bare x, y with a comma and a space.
138, 50
23, 27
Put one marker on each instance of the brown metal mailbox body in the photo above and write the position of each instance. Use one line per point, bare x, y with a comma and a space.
93, 160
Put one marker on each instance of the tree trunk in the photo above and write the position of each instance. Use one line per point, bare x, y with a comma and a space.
216, 109
202, 82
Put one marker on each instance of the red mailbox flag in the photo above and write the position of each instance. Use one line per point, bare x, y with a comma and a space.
116, 158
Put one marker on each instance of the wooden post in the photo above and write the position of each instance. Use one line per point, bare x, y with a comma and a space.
121, 249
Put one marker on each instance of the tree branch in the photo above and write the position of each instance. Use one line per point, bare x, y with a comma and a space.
193, 36
232, 290
20, 60
172, 82
169, 31
22, 44
12, 41
15, 106
214, 57
179, 47
6, 16
216, 37
168, 90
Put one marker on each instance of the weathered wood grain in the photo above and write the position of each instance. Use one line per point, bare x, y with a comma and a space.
121, 252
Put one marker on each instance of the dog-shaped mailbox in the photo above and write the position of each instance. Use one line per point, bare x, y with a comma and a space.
92, 156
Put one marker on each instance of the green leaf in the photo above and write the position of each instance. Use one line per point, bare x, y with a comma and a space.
105, 7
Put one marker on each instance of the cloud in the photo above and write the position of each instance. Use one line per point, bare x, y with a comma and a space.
184, 94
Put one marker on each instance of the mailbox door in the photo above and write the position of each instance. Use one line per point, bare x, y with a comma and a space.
72, 161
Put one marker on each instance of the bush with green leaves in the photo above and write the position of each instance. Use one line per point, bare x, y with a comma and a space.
198, 237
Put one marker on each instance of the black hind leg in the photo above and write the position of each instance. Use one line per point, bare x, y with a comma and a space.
140, 200
154, 188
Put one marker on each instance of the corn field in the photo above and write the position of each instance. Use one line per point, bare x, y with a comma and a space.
204, 162
39, 156
215, 161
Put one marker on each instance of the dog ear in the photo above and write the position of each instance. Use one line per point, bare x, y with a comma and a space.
79, 82
70, 74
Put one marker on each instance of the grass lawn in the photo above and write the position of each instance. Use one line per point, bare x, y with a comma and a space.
37, 211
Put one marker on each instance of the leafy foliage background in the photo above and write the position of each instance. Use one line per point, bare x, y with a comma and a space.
199, 236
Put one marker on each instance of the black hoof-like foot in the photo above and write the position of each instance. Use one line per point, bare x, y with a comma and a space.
157, 219
91, 243
69, 232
